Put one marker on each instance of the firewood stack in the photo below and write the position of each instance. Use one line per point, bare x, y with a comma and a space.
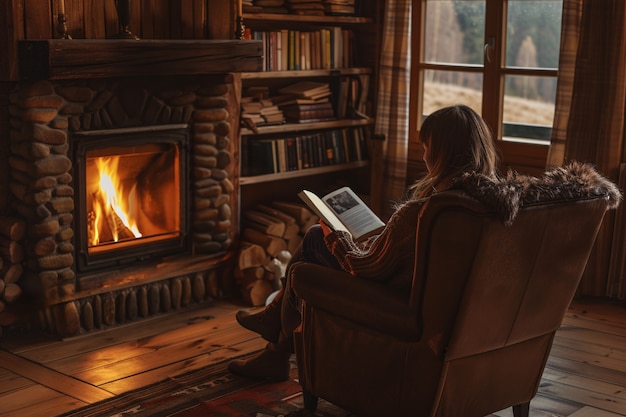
270, 235
11, 255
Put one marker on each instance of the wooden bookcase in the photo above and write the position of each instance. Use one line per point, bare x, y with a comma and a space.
356, 65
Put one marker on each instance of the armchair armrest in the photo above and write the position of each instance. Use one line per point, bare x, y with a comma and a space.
369, 304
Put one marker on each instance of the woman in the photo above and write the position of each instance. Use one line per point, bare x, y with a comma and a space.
456, 140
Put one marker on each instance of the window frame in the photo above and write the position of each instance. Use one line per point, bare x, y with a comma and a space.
523, 155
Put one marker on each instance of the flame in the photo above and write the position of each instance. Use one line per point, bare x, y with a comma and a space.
111, 203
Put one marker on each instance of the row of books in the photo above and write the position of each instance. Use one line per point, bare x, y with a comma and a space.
293, 50
337, 146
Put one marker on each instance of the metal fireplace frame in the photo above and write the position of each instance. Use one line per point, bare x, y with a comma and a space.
84, 141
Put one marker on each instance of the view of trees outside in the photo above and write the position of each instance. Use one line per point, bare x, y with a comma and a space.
455, 35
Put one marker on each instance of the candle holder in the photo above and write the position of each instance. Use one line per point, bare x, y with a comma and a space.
62, 26
123, 16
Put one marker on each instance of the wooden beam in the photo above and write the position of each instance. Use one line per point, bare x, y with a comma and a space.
58, 59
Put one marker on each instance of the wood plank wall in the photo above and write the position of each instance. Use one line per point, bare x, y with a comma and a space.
97, 19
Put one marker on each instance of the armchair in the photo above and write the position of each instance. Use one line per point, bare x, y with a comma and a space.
473, 333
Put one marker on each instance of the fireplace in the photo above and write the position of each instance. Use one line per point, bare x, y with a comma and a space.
132, 195
123, 169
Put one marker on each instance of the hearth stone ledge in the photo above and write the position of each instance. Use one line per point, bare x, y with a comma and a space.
199, 281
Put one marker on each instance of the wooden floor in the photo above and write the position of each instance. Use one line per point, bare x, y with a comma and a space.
39, 376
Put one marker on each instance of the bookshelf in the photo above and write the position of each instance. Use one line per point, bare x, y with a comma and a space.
347, 66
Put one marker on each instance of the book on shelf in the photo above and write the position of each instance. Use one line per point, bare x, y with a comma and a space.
305, 89
308, 7
303, 113
339, 7
261, 157
287, 99
344, 210
352, 96
321, 105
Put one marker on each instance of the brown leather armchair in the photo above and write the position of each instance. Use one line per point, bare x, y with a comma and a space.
473, 336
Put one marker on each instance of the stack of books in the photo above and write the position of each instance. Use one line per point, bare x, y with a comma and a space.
251, 112
257, 109
312, 90
248, 6
305, 7
271, 6
306, 101
339, 7
309, 113
272, 114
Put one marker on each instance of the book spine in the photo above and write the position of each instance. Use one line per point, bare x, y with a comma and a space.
299, 155
302, 50
280, 155
315, 50
296, 55
279, 51
292, 50
262, 152
284, 36
327, 50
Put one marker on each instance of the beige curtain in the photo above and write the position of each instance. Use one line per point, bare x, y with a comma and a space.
589, 120
393, 100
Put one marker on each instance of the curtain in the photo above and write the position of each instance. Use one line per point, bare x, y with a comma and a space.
589, 120
570, 35
393, 101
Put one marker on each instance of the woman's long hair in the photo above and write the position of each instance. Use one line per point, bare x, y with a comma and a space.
459, 141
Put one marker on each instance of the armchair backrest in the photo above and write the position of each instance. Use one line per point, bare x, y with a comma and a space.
506, 290
497, 263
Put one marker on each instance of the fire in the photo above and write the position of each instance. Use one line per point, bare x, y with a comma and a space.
112, 205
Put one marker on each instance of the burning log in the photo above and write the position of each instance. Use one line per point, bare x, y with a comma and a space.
114, 226
123, 232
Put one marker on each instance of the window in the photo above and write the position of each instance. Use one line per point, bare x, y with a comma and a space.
499, 57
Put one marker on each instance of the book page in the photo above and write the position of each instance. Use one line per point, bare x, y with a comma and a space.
357, 217
322, 210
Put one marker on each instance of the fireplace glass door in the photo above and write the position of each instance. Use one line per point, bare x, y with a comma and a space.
133, 197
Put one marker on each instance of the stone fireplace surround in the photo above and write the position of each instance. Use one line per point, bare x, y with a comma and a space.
185, 90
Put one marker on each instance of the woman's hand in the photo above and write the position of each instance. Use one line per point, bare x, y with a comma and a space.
325, 229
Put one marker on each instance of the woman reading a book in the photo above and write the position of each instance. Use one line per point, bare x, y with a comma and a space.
456, 140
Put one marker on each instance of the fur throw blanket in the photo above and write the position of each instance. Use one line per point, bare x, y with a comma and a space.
507, 194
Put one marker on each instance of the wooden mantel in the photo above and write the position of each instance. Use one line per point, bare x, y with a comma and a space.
62, 59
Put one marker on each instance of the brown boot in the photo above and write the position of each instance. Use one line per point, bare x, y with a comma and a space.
271, 364
266, 322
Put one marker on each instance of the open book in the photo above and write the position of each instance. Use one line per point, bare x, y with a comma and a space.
343, 210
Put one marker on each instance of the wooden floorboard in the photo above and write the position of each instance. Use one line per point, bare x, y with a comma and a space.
585, 375
50, 378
